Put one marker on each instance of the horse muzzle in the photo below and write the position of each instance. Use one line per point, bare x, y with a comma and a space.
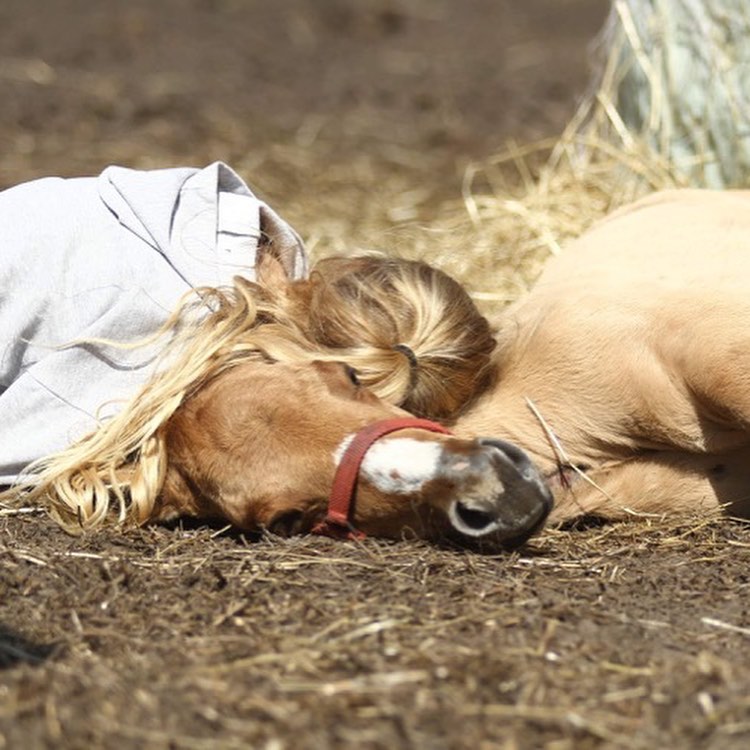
488, 488
504, 499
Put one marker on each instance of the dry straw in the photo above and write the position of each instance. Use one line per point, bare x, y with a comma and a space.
666, 110
678, 73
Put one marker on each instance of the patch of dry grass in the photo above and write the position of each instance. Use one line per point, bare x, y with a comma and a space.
187, 637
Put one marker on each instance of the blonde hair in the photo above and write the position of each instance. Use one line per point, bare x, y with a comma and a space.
410, 331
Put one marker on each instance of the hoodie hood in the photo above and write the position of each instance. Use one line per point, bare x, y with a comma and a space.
207, 223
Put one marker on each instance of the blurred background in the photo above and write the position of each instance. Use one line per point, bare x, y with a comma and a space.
352, 118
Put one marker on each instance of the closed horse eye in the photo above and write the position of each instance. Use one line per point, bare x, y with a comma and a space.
352, 374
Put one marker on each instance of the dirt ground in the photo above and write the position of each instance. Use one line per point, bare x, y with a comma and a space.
622, 636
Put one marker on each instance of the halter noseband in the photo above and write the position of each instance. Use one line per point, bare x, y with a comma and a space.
337, 522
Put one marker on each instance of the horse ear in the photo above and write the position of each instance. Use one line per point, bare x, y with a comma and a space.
270, 273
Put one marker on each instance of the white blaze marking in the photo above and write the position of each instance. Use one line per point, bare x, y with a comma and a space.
338, 454
398, 465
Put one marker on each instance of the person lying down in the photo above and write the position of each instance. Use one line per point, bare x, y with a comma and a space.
122, 292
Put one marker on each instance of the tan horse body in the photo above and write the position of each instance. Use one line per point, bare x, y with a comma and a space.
632, 353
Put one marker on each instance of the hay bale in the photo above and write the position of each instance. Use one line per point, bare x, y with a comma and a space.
676, 77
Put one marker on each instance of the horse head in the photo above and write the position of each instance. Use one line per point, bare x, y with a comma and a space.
260, 445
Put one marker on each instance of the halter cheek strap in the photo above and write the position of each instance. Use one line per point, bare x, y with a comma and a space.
337, 522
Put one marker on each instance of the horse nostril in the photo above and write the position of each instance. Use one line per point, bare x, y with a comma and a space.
476, 520
507, 499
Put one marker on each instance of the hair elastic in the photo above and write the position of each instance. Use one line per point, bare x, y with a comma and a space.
408, 352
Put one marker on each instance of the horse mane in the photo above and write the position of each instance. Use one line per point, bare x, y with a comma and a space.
351, 313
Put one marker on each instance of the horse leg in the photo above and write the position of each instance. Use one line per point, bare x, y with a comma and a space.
661, 483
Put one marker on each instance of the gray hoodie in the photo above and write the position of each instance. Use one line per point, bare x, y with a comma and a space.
109, 257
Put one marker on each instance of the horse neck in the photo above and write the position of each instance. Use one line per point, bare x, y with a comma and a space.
504, 411
504, 414
542, 419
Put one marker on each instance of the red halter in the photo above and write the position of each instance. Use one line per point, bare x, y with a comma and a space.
336, 523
